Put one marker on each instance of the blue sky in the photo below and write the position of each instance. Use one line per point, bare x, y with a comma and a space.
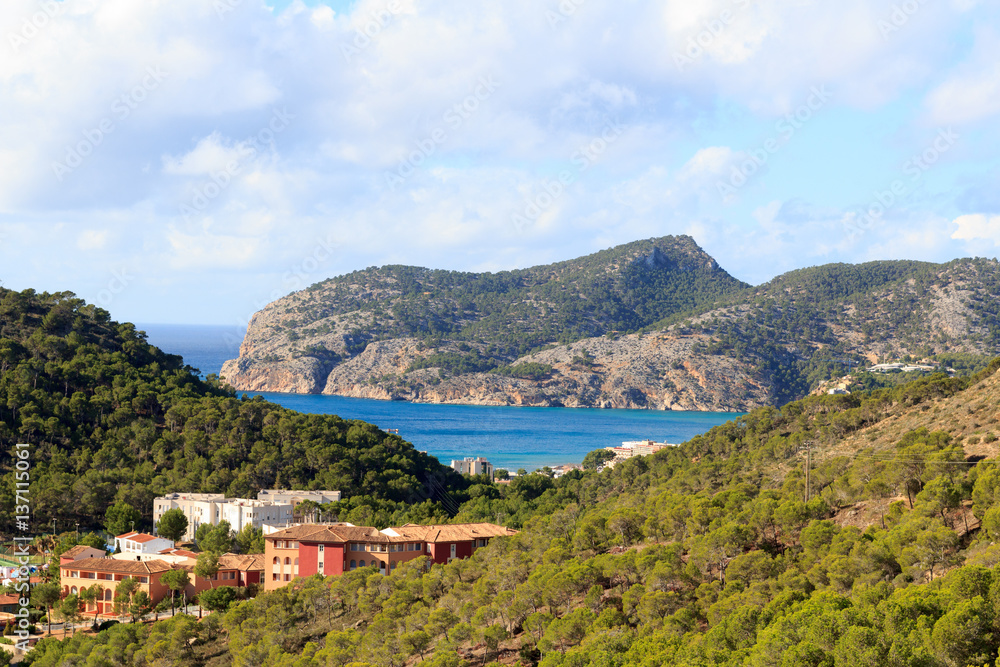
189, 161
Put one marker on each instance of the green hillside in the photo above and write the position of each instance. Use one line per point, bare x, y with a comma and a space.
113, 419
509, 313
707, 554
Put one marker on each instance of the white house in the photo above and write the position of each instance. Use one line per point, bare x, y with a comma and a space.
142, 543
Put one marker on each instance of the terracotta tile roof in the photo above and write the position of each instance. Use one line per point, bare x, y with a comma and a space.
76, 551
459, 532
242, 562
178, 552
9, 599
441, 533
119, 566
330, 533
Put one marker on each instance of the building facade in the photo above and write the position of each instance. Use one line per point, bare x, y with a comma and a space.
141, 543
212, 508
473, 466
199, 508
107, 573
332, 549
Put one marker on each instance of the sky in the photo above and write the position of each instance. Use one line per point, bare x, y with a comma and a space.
189, 161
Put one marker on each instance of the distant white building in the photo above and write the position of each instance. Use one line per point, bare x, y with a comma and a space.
211, 508
632, 448
141, 543
296, 497
241, 513
473, 466
199, 508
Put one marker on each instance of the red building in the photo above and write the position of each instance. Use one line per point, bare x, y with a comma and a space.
332, 549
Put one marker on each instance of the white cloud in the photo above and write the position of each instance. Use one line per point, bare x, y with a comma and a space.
977, 226
415, 80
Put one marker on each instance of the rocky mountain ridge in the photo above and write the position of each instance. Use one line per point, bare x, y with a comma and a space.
696, 339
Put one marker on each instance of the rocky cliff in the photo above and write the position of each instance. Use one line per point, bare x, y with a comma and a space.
553, 336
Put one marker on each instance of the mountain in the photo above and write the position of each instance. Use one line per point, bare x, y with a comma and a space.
723, 551
652, 324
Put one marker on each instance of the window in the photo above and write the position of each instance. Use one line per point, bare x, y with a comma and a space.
453, 551
362, 563
143, 580
288, 577
321, 548
72, 591
296, 562
319, 568
288, 561
274, 577
107, 594
276, 560
354, 564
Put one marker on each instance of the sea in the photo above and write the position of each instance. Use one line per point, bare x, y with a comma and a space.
509, 437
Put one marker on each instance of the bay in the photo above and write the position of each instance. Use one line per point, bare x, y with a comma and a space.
509, 437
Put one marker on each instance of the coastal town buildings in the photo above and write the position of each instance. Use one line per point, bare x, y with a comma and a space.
212, 508
78, 552
335, 548
148, 569
141, 543
473, 466
295, 498
635, 448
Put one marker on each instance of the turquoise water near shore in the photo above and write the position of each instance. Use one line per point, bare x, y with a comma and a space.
509, 437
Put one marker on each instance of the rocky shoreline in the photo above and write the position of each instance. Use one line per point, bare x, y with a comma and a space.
645, 372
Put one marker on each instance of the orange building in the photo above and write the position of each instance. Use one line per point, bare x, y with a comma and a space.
107, 573
234, 570
332, 549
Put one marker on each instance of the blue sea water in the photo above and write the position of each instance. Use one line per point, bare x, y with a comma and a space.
509, 437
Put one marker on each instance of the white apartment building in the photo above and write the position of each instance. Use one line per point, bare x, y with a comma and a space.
473, 466
211, 508
199, 508
256, 513
296, 497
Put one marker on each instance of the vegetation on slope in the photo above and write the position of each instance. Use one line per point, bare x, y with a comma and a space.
706, 554
791, 333
112, 419
509, 313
